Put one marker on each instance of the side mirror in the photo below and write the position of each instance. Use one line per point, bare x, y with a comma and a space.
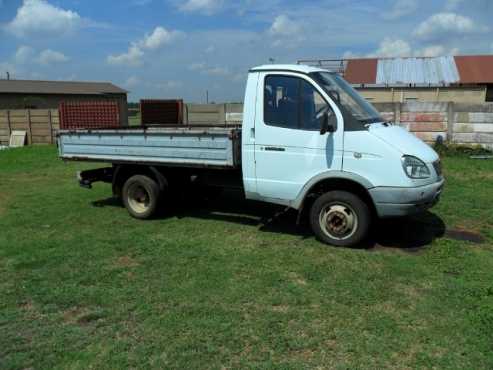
328, 124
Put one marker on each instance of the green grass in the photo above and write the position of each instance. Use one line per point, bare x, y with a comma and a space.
134, 120
83, 285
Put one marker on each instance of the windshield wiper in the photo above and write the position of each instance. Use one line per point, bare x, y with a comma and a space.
370, 121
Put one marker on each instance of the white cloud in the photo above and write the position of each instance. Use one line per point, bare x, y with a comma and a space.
350, 55
28, 55
159, 37
168, 85
401, 8
132, 58
286, 32
49, 56
431, 51
24, 54
389, 48
155, 40
446, 23
36, 17
436, 51
197, 66
209, 70
217, 71
132, 82
207, 7
284, 26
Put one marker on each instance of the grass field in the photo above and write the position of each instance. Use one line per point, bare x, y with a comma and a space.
219, 285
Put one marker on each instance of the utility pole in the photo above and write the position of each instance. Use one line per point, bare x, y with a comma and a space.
207, 96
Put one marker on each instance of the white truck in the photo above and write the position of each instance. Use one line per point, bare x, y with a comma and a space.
308, 140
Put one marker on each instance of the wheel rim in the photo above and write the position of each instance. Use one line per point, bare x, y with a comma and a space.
138, 198
338, 221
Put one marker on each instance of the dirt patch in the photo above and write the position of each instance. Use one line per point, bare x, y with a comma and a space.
27, 306
90, 317
297, 279
280, 308
72, 314
464, 235
126, 262
3, 202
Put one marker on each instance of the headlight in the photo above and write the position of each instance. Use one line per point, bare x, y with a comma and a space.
415, 168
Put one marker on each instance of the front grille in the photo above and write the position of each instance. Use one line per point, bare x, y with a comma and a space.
437, 165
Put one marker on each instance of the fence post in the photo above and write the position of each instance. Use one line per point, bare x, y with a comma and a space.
450, 122
9, 125
29, 126
50, 125
397, 113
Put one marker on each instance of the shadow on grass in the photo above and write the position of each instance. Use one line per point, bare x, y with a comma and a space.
409, 234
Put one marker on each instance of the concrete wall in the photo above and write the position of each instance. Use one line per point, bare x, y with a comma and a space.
227, 114
475, 94
458, 123
52, 101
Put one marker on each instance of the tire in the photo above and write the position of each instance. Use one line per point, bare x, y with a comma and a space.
340, 219
141, 196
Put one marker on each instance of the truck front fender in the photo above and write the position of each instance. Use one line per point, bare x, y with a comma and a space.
328, 176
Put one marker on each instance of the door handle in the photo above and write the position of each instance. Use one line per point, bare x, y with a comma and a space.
275, 149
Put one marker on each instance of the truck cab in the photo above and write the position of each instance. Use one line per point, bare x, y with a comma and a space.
309, 139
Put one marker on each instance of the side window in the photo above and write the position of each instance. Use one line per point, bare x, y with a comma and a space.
313, 107
294, 103
281, 101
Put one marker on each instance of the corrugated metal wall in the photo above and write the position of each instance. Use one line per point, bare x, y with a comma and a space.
419, 71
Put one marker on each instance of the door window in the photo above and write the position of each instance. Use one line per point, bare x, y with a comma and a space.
292, 102
281, 101
313, 107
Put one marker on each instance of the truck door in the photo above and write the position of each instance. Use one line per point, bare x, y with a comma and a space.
289, 149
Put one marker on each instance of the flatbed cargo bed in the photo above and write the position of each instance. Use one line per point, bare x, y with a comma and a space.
215, 146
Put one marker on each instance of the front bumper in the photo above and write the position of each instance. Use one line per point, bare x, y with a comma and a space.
395, 202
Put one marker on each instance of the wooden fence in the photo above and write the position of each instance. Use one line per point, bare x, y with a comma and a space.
41, 125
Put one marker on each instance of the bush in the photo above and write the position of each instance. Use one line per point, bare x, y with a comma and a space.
457, 149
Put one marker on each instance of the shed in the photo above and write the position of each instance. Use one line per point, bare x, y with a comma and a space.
31, 94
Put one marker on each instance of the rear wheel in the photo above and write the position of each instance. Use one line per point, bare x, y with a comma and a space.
141, 196
340, 218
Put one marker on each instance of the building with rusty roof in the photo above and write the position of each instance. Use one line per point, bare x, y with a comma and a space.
26, 94
465, 79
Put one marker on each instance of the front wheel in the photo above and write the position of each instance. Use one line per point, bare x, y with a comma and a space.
141, 196
340, 218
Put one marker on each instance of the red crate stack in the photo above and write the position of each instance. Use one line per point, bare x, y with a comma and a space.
161, 112
84, 115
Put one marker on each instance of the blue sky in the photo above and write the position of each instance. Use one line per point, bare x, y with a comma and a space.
181, 48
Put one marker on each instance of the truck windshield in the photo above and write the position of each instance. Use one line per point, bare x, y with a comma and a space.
347, 98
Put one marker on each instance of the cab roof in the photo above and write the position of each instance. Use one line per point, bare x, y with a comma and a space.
287, 67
